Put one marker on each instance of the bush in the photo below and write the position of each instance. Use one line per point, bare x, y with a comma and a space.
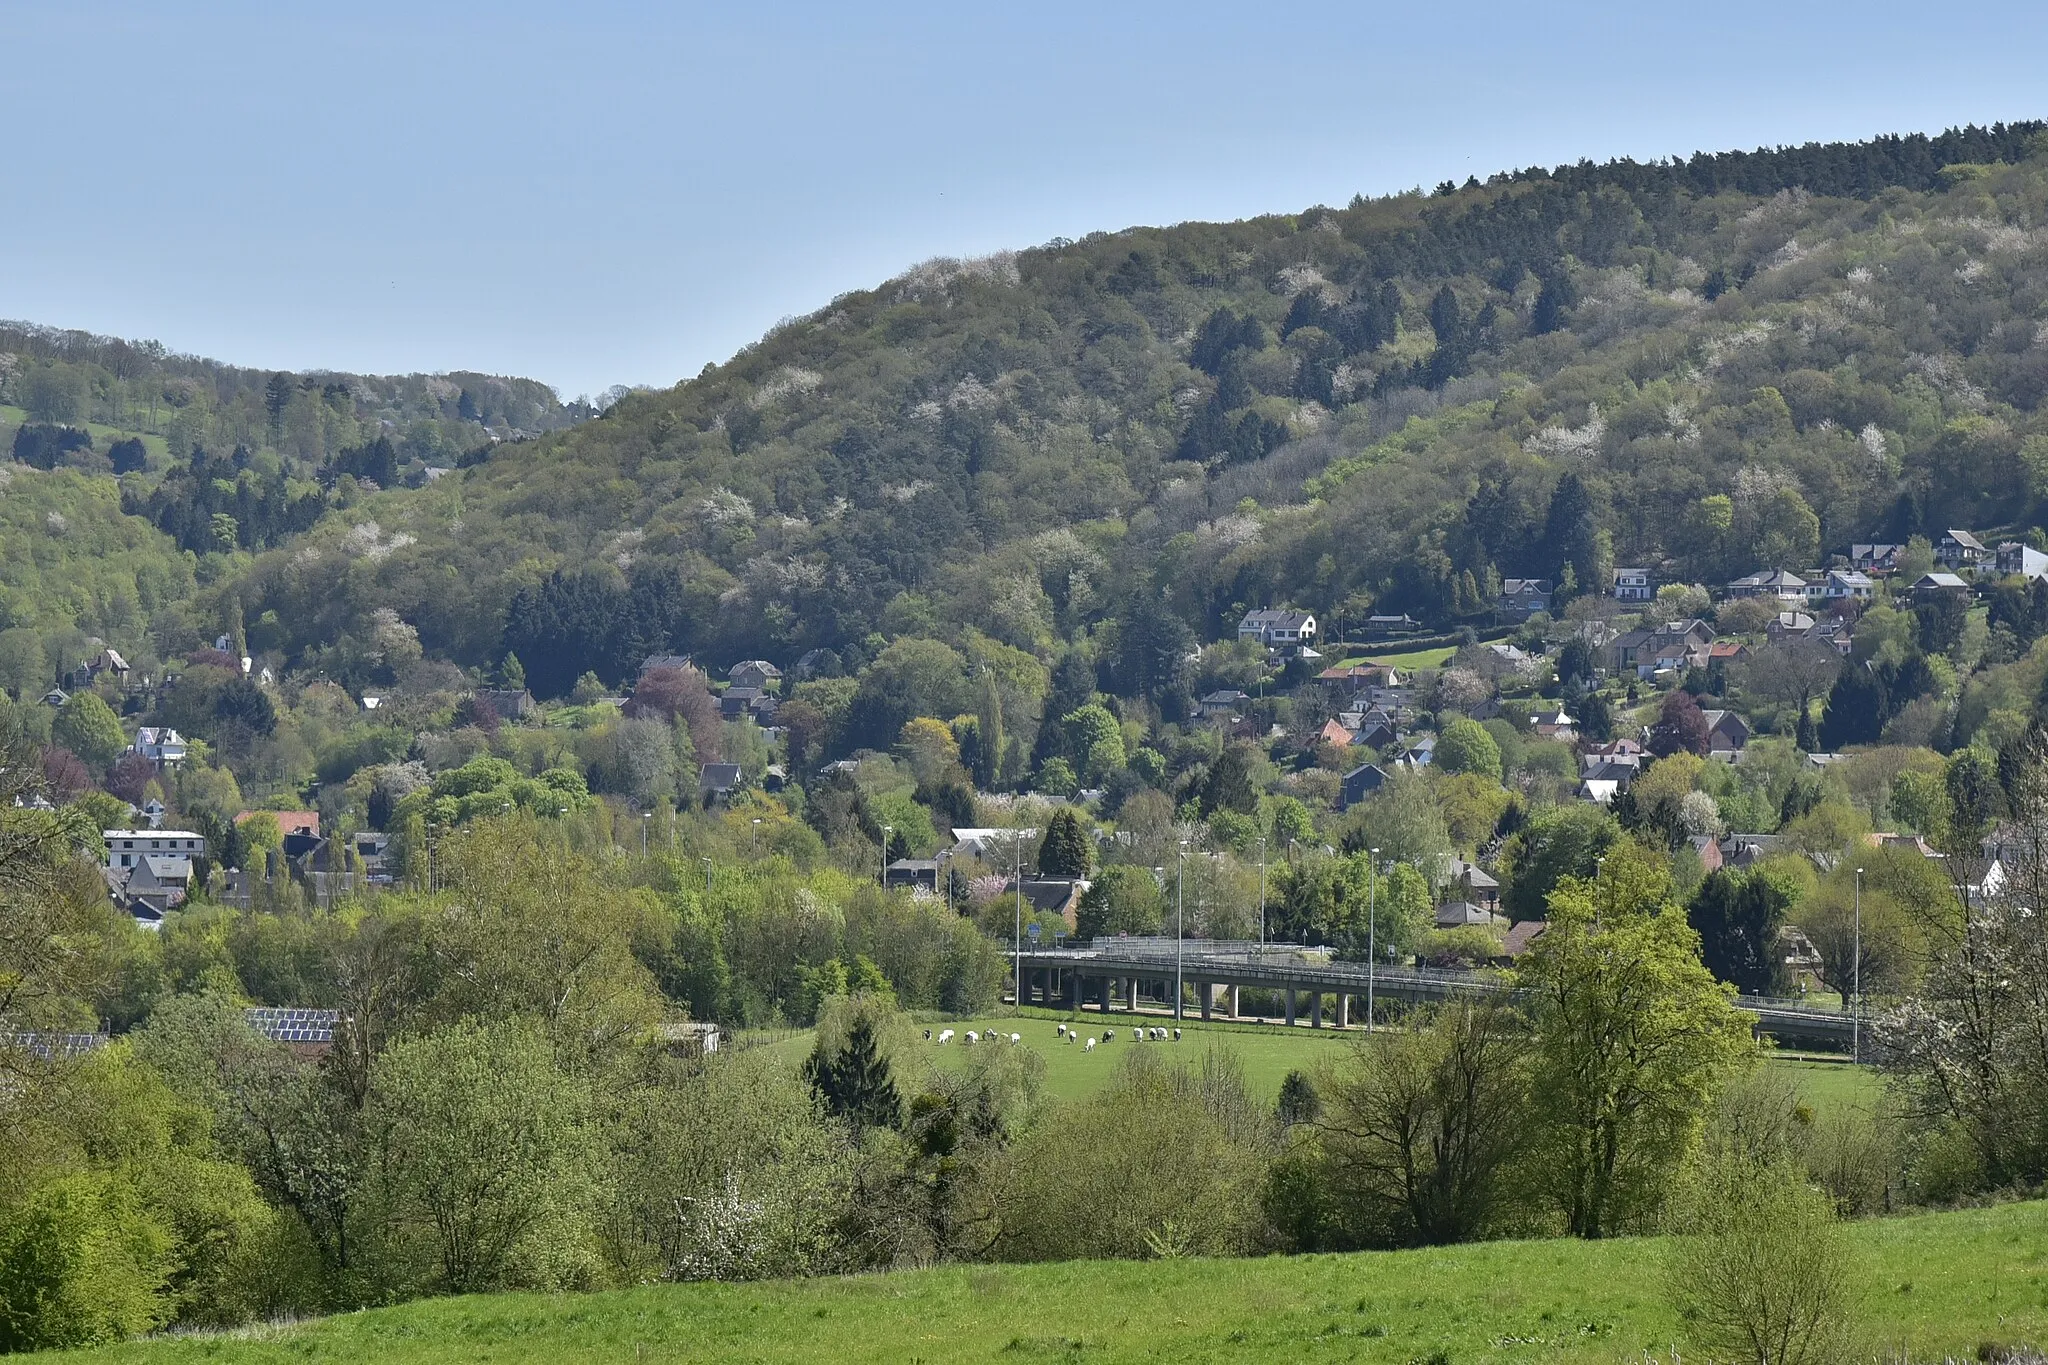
80, 1262
1760, 1272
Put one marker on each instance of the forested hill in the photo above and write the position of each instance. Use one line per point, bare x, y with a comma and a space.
1704, 366
65, 377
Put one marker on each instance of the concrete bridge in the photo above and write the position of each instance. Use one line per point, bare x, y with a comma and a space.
1123, 973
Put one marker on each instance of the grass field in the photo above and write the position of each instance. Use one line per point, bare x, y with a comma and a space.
1413, 658
12, 418
1266, 1051
1935, 1286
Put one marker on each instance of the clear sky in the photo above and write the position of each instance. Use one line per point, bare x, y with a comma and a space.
600, 193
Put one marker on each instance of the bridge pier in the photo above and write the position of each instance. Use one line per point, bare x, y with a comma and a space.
1231, 997
1315, 1009
1343, 1010
1208, 994
1288, 994
1131, 993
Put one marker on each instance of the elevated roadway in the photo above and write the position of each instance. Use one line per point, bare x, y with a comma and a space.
1126, 973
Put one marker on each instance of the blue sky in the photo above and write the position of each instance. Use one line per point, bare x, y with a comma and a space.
607, 193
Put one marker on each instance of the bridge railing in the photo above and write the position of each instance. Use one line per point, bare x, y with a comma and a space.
1296, 957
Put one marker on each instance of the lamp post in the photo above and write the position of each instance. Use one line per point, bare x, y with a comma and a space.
757, 836
887, 830
1179, 908
1372, 929
1017, 948
1262, 890
645, 816
1856, 971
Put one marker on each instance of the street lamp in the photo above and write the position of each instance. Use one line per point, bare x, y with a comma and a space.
757, 836
1372, 930
1856, 971
645, 816
1017, 945
1262, 890
1179, 920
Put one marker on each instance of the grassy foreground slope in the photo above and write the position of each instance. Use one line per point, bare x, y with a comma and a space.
1938, 1285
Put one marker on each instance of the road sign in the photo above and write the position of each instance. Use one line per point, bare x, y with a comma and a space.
1031, 932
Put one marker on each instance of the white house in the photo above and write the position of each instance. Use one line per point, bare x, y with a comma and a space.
1847, 584
1634, 585
1272, 626
126, 848
160, 744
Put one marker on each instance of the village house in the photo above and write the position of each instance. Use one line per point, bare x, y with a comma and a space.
1359, 677
1556, 725
1637, 650
1721, 653
1961, 550
993, 845
1333, 733
107, 661
1788, 625
1274, 626
1727, 733
1634, 585
127, 847
1877, 559
1474, 884
508, 703
160, 744
1847, 585
2017, 557
1224, 703
755, 673
1360, 783
1929, 586
1782, 584
1521, 598
717, 780
734, 701
912, 874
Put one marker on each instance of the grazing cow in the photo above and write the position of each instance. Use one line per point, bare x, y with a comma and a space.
1176, 1035
1090, 1047
1109, 1035
972, 1037
1016, 1038
1063, 1031
927, 1035
945, 1036
1159, 1033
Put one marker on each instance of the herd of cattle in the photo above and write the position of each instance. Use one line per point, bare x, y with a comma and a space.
946, 1035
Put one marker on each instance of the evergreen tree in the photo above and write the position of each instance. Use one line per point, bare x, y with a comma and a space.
1571, 531
854, 1083
1737, 918
1229, 785
1855, 711
1064, 851
1806, 734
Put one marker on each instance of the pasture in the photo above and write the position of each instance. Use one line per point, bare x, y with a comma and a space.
1267, 1052
1935, 1286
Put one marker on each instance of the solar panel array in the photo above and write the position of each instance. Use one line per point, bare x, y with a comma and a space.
49, 1046
293, 1025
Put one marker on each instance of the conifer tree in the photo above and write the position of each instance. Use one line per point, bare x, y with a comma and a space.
1064, 850
855, 1083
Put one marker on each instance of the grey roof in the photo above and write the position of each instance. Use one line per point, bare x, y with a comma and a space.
292, 1025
